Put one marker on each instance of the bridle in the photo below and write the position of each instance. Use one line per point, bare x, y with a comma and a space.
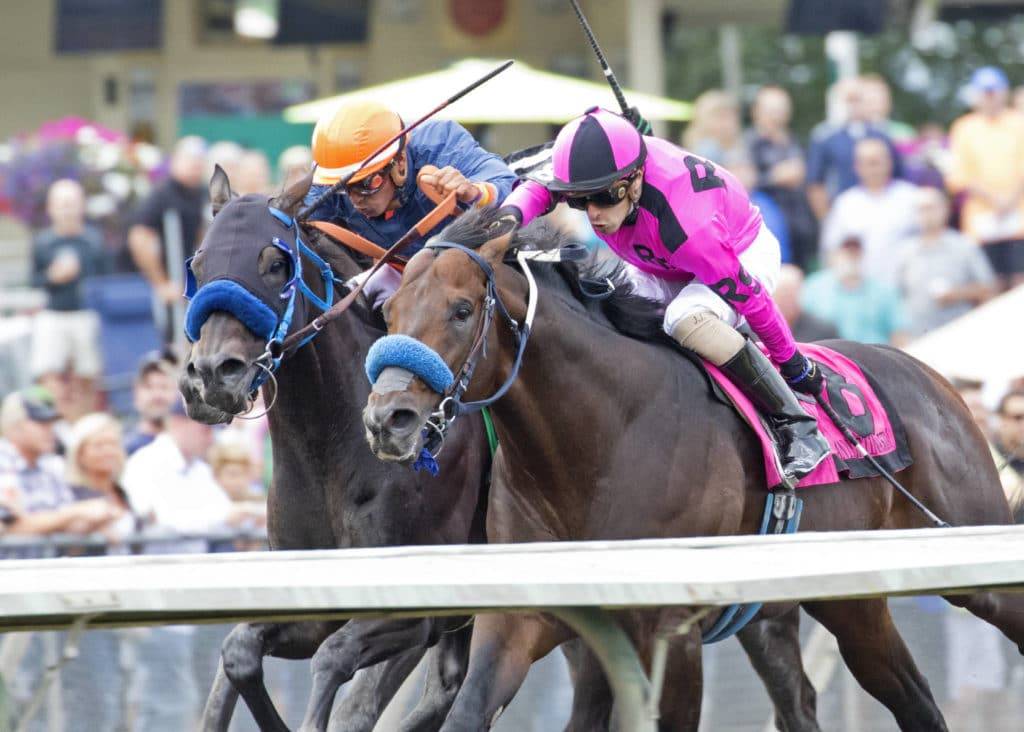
452, 406
272, 355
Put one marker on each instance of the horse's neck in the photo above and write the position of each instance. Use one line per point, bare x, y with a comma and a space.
583, 393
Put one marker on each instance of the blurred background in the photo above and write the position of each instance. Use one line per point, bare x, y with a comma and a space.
883, 141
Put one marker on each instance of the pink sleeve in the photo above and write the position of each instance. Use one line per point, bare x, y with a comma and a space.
531, 198
708, 254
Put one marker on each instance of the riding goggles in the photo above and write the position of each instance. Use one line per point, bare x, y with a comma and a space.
372, 183
601, 199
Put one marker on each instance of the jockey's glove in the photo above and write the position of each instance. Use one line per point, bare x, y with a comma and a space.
507, 218
802, 374
636, 119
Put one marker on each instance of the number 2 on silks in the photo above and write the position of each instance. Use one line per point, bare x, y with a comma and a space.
709, 181
835, 385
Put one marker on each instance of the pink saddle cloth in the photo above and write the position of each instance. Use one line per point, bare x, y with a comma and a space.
855, 400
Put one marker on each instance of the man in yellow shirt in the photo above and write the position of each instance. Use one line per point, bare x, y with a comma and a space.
987, 164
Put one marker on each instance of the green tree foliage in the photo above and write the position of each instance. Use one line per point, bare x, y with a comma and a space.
927, 72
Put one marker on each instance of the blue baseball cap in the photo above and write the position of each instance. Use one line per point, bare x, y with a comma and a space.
989, 78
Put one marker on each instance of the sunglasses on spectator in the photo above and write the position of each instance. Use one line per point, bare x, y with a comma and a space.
372, 183
602, 199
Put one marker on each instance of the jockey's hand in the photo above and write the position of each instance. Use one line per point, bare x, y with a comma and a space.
803, 375
635, 118
448, 179
508, 218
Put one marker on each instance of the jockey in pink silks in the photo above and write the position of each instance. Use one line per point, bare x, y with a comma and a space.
691, 239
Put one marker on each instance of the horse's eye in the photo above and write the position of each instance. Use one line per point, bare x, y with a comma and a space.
461, 313
277, 266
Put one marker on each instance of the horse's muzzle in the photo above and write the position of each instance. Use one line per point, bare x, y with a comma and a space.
216, 384
393, 429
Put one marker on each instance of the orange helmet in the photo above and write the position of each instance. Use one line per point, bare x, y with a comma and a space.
345, 137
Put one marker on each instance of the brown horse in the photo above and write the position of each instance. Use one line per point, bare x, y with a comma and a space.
607, 436
328, 491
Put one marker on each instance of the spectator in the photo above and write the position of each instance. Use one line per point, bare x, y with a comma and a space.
1009, 449
168, 482
861, 308
779, 165
253, 174
878, 109
942, 275
987, 165
95, 459
66, 334
236, 472
42, 502
168, 227
879, 211
715, 133
226, 154
1018, 99
293, 164
805, 327
830, 159
154, 394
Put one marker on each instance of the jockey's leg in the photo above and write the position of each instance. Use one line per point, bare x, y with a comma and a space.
380, 286
698, 319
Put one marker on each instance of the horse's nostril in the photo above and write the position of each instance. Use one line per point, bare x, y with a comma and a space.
231, 368
401, 420
191, 370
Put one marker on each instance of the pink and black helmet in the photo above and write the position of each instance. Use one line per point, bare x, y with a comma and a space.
593, 151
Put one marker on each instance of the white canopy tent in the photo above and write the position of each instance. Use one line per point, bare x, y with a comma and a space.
983, 345
522, 94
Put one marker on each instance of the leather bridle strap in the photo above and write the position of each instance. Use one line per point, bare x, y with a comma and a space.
423, 227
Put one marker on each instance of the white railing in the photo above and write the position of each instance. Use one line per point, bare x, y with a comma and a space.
575, 581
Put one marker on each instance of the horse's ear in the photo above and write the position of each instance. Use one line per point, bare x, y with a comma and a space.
493, 250
220, 189
292, 196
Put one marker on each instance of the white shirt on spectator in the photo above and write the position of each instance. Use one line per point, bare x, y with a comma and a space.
880, 220
181, 496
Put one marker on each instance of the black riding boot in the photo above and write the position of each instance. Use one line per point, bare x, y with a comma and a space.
801, 446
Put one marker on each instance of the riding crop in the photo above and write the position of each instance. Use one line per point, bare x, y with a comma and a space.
852, 439
405, 130
608, 73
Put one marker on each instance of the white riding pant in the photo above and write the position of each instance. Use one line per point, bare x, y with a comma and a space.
379, 287
762, 260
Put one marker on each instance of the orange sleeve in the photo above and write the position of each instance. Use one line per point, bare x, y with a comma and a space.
959, 176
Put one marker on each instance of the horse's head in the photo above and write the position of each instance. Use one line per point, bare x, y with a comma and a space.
441, 316
242, 283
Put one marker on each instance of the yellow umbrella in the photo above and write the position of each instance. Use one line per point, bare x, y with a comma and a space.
521, 94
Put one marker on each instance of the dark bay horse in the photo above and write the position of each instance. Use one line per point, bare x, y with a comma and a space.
608, 436
328, 490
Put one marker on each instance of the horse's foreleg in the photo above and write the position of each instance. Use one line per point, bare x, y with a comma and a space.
592, 696
683, 687
242, 661
359, 644
773, 647
364, 703
501, 653
1003, 610
877, 657
445, 672
220, 704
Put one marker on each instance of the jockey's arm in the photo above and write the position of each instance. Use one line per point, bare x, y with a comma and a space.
528, 201
716, 264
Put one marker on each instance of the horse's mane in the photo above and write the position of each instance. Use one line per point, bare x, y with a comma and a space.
624, 310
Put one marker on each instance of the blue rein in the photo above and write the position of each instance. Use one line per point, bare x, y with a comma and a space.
224, 294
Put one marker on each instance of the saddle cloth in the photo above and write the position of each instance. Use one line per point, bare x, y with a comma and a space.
860, 403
